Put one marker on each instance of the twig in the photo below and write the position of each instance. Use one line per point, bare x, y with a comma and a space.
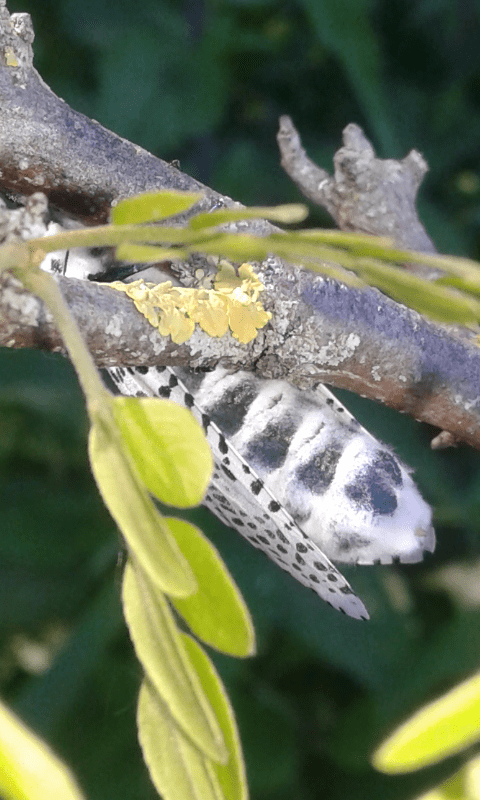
366, 193
320, 330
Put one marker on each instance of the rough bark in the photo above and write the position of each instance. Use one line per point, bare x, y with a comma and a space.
365, 193
321, 330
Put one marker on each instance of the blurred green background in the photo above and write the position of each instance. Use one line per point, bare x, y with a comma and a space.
205, 83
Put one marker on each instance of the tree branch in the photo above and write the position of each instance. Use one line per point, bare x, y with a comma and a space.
320, 331
366, 194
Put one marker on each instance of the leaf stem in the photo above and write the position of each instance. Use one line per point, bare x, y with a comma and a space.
45, 287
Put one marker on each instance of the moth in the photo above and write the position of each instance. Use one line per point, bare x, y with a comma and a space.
298, 476
295, 473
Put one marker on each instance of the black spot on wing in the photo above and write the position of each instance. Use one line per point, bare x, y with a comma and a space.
231, 409
374, 488
348, 542
387, 464
222, 444
319, 471
192, 380
269, 449
371, 496
228, 473
256, 487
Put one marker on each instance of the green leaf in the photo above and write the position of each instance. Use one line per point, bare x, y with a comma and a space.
147, 253
363, 243
146, 533
177, 768
14, 255
472, 287
162, 653
168, 447
236, 246
321, 258
471, 774
439, 302
28, 768
231, 775
216, 613
288, 213
463, 785
153, 206
438, 730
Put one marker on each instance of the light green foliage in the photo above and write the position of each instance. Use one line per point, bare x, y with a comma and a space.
141, 446
463, 785
438, 730
216, 612
130, 66
152, 206
286, 214
178, 768
231, 775
160, 649
145, 532
156, 206
168, 446
164, 448
137, 447
28, 768
451, 298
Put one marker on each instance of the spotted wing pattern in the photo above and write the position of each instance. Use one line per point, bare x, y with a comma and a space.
295, 473
348, 492
240, 498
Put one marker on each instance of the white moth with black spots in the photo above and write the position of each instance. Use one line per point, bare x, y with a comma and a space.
295, 473
298, 476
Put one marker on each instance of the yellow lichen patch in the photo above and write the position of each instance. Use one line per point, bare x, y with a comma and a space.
244, 311
245, 286
245, 320
210, 310
10, 57
174, 310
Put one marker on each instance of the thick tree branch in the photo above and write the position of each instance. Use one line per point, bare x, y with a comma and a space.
47, 146
365, 193
320, 330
